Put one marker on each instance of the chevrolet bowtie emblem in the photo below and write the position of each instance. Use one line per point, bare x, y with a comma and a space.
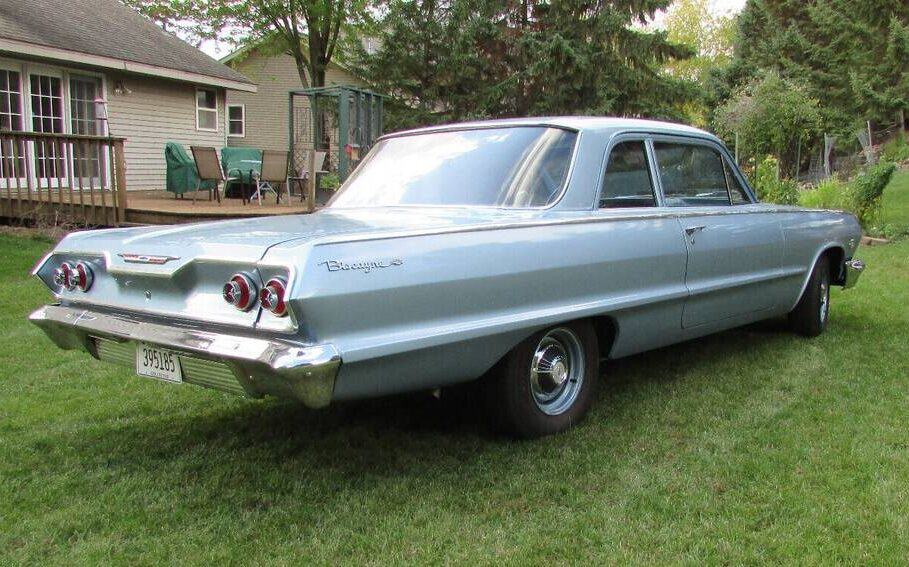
146, 259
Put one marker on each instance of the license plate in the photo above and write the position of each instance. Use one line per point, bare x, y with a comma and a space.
156, 362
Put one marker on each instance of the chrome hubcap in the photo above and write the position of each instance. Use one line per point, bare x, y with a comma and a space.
557, 371
825, 300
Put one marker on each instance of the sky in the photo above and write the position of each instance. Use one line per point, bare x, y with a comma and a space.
219, 49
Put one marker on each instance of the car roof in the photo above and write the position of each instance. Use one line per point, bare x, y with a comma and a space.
601, 124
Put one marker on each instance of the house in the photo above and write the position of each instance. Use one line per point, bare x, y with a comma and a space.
64, 64
261, 119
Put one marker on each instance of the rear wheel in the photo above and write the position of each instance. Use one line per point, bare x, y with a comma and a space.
809, 318
545, 384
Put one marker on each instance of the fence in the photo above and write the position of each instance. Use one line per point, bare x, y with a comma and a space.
79, 178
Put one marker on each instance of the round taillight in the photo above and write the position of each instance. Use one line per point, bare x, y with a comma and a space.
64, 276
82, 276
272, 296
240, 291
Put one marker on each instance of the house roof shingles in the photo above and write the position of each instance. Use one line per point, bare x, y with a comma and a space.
105, 28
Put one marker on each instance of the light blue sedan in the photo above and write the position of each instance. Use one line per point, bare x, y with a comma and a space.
515, 252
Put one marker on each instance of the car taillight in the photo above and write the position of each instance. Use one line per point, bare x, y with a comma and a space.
64, 276
82, 276
272, 296
240, 291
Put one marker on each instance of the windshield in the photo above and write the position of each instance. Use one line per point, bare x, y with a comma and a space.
491, 167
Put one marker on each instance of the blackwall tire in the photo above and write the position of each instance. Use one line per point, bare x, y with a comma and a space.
546, 384
810, 316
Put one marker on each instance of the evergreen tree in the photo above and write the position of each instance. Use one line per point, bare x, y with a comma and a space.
851, 54
460, 59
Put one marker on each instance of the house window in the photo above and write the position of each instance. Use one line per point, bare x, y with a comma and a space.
47, 117
206, 110
87, 158
236, 120
11, 119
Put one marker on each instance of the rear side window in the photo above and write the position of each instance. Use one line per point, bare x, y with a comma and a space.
692, 175
627, 182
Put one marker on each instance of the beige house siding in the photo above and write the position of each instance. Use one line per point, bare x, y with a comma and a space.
266, 110
153, 113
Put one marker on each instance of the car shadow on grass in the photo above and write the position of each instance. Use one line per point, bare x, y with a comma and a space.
378, 431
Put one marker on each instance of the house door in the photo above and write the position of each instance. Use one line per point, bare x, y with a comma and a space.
46, 98
88, 159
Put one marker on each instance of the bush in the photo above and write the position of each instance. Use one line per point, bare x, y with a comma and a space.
867, 190
769, 188
329, 182
830, 194
896, 151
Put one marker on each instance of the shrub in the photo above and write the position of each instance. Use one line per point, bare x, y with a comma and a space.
830, 194
867, 190
896, 151
770, 189
330, 182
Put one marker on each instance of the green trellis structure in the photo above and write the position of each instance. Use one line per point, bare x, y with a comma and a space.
342, 120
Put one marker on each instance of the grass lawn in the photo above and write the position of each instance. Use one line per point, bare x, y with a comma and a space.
895, 203
749, 446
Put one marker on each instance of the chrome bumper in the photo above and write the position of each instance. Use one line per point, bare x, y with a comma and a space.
852, 269
260, 366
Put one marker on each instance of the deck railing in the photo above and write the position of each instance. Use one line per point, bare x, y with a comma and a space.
78, 178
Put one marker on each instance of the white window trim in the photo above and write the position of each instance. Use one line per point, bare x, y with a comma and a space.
242, 121
198, 108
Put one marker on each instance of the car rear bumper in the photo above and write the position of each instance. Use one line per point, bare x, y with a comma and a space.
852, 269
249, 365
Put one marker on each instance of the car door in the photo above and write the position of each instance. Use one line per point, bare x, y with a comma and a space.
734, 247
641, 254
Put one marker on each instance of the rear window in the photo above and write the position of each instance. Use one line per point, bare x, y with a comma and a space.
492, 167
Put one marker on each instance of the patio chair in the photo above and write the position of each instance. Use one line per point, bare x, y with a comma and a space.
209, 168
272, 175
304, 174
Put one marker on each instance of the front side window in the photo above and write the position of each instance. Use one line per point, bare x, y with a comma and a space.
626, 181
488, 167
206, 109
737, 193
692, 175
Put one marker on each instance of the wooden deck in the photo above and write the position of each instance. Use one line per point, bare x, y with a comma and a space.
144, 207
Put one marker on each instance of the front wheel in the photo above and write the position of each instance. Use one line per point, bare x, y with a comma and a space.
809, 318
545, 385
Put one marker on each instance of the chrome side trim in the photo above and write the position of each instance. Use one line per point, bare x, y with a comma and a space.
596, 217
261, 366
853, 270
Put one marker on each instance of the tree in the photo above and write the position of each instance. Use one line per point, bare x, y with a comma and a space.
772, 116
457, 59
308, 30
839, 49
710, 35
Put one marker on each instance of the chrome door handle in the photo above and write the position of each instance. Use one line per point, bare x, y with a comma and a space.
692, 229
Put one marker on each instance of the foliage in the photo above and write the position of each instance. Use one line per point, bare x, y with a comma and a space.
829, 194
895, 151
770, 188
311, 31
186, 19
329, 182
709, 34
868, 190
464, 59
771, 116
851, 55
